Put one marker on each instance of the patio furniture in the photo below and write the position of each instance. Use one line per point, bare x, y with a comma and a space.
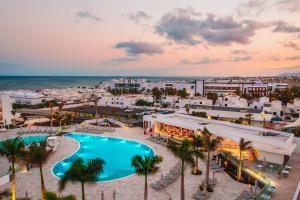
285, 173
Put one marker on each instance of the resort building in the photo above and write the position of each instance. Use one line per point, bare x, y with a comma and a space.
194, 101
224, 87
233, 101
6, 116
272, 146
260, 103
122, 101
27, 97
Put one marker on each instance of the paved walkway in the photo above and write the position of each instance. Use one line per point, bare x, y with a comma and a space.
130, 188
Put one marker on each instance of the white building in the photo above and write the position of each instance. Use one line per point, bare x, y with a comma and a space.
260, 103
27, 97
122, 101
274, 107
224, 87
273, 146
233, 101
5, 109
194, 101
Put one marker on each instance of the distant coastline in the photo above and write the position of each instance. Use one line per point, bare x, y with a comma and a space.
43, 82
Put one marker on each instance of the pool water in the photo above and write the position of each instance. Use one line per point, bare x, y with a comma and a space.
116, 153
28, 140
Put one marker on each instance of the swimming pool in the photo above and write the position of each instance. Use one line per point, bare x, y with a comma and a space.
116, 153
28, 140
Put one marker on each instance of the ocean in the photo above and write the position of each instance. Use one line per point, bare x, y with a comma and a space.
43, 82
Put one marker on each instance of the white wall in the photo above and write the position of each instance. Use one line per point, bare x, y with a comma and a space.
297, 141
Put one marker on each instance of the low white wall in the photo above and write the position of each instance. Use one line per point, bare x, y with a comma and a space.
4, 180
297, 141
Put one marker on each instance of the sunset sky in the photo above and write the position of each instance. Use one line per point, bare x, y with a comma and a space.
151, 38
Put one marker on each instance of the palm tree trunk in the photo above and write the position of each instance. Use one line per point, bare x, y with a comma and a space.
13, 182
197, 164
240, 167
96, 112
43, 190
14, 121
207, 169
146, 189
51, 119
82, 190
182, 180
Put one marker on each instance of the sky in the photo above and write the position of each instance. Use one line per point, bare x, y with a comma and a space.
149, 38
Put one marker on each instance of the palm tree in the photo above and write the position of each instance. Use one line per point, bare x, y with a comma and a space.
14, 151
197, 144
244, 146
145, 166
83, 173
59, 117
51, 105
95, 100
37, 156
185, 153
14, 112
211, 143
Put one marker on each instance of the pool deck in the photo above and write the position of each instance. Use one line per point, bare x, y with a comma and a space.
130, 188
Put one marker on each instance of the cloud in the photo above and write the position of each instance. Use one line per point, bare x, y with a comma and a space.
239, 51
283, 27
239, 59
252, 8
137, 48
88, 15
288, 5
190, 29
293, 57
292, 45
138, 16
202, 61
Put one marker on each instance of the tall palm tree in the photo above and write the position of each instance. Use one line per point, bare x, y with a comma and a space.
197, 144
14, 112
211, 143
185, 153
37, 156
145, 166
244, 146
51, 105
83, 173
14, 151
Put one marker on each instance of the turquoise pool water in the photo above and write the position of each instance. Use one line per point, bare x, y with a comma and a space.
116, 153
28, 140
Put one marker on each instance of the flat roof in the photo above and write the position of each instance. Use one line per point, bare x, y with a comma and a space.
281, 142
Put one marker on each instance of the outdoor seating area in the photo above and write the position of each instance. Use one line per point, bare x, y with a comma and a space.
94, 129
175, 132
158, 140
267, 167
168, 179
286, 171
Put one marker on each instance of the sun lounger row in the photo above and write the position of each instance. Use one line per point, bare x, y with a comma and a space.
165, 181
35, 131
95, 129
